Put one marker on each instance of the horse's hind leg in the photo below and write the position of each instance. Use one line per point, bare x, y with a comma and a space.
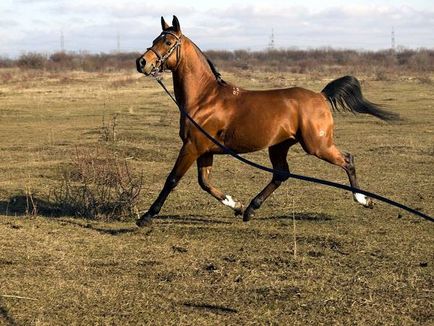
204, 165
350, 168
345, 160
278, 160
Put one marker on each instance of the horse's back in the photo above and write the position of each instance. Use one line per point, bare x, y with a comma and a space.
294, 103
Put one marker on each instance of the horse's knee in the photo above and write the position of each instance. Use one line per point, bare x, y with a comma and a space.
171, 182
279, 181
281, 173
279, 178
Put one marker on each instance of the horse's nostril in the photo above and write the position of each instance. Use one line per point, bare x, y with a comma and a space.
140, 63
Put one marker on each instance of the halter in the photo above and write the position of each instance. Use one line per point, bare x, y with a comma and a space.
163, 58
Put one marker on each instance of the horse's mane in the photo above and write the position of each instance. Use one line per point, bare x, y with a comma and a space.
215, 71
212, 66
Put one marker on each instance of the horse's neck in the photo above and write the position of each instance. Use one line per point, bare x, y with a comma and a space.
193, 80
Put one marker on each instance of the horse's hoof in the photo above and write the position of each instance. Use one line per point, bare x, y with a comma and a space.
239, 210
370, 203
363, 200
144, 221
248, 214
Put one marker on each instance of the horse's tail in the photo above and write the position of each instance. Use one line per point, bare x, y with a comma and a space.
345, 93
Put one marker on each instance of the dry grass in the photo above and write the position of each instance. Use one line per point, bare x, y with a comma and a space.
198, 264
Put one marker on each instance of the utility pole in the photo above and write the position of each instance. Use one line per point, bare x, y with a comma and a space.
271, 44
393, 39
62, 42
119, 42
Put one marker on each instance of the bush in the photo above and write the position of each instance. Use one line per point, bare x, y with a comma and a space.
32, 61
6, 62
98, 185
62, 61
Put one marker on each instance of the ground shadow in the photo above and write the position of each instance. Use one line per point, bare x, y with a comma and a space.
189, 219
103, 230
24, 205
300, 217
5, 315
21, 205
210, 307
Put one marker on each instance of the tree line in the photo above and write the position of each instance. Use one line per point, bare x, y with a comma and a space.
273, 60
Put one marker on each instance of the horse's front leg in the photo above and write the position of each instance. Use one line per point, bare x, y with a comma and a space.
187, 155
204, 165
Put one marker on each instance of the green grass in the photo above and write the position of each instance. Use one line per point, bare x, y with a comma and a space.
198, 264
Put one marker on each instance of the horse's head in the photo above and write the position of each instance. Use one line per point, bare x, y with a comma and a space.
161, 55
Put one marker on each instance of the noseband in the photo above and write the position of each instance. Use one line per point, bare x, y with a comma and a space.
161, 62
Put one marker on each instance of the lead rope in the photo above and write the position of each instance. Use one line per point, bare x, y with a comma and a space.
229, 151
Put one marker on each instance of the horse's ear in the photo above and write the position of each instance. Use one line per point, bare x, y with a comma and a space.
164, 25
175, 23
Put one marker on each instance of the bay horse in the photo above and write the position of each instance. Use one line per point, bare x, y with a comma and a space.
247, 121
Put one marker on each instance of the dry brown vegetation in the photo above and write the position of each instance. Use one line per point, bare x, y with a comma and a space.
383, 63
198, 264
97, 184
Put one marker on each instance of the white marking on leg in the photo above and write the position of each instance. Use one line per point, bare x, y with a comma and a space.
362, 199
228, 201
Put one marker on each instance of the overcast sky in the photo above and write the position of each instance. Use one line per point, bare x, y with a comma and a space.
94, 26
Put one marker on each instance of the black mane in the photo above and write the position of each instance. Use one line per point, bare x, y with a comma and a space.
212, 66
214, 70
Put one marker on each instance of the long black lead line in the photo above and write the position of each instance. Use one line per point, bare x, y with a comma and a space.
229, 151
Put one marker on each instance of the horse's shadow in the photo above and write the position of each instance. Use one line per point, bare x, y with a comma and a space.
309, 216
21, 205
101, 229
189, 219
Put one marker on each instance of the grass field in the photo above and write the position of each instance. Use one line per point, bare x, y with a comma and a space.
310, 256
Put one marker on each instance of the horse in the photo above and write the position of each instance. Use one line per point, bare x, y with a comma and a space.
247, 121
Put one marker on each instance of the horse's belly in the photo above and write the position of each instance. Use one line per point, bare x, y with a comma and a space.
245, 139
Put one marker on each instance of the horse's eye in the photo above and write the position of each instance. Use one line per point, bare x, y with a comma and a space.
168, 43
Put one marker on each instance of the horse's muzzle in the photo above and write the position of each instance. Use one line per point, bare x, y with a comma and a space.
146, 68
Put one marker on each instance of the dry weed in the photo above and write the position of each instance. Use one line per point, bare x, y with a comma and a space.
98, 185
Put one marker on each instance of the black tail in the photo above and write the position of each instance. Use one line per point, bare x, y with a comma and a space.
345, 93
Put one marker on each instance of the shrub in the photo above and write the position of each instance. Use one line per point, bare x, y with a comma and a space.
98, 185
6, 62
62, 61
32, 60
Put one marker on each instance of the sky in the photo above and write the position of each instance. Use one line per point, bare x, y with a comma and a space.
104, 26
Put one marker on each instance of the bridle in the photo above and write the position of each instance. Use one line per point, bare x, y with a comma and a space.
161, 62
